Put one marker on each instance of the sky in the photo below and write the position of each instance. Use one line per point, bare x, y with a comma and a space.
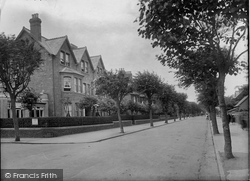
105, 27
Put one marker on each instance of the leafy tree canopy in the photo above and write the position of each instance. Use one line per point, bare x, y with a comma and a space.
167, 97
181, 101
114, 84
87, 101
147, 83
19, 59
207, 94
181, 27
106, 104
29, 98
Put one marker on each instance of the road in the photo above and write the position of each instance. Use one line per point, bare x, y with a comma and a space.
179, 151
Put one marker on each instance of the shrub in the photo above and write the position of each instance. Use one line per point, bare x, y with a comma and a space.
67, 121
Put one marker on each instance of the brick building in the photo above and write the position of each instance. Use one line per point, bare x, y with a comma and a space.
66, 75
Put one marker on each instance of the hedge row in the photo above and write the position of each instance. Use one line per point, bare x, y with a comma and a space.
67, 121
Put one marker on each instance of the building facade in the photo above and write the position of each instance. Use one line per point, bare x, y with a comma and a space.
66, 75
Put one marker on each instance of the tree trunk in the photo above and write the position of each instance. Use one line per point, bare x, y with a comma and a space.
178, 113
119, 116
150, 113
226, 129
214, 121
14, 116
166, 117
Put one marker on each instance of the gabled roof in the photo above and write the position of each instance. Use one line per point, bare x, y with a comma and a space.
71, 71
51, 45
241, 101
79, 53
42, 43
55, 44
95, 60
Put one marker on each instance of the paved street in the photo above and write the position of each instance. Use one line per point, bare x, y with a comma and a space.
181, 150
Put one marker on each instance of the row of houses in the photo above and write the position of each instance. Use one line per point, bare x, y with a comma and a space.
240, 112
67, 74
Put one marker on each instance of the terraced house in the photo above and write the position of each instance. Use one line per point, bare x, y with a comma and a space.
67, 74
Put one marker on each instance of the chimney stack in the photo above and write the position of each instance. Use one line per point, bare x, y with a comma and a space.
35, 26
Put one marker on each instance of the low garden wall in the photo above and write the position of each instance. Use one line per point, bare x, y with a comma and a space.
51, 127
48, 132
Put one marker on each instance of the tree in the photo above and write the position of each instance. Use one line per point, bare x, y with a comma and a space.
88, 102
166, 97
180, 27
116, 85
18, 61
208, 97
200, 70
143, 108
28, 99
149, 84
181, 102
195, 109
132, 106
106, 105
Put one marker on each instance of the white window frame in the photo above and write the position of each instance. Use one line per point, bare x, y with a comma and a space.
84, 88
82, 66
75, 84
86, 67
67, 87
67, 59
79, 86
62, 58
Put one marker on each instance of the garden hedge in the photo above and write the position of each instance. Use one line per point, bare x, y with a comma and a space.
67, 121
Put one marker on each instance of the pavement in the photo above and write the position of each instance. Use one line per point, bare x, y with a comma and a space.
238, 167
232, 169
88, 137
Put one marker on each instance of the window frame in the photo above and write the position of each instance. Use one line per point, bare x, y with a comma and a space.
84, 88
67, 59
86, 67
79, 86
82, 66
62, 58
65, 88
75, 84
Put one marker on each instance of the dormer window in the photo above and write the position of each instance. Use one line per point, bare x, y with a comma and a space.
67, 63
82, 65
64, 58
86, 66
99, 70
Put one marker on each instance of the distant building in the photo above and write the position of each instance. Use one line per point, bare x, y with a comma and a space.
135, 96
240, 111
